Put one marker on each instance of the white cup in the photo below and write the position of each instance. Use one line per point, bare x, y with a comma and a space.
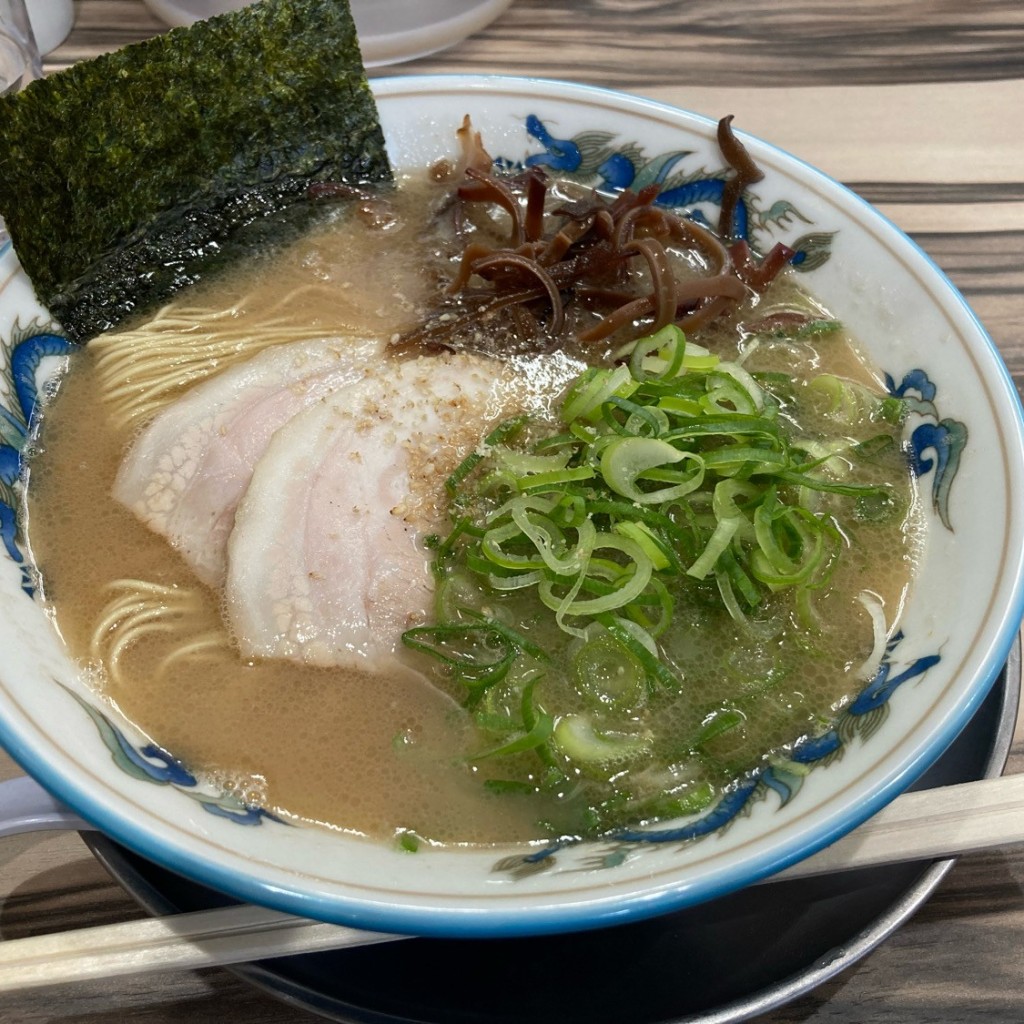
19, 60
19, 55
16, 63
51, 22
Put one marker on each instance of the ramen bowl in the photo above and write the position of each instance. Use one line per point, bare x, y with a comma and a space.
965, 443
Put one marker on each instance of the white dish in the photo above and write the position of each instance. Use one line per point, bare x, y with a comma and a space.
390, 31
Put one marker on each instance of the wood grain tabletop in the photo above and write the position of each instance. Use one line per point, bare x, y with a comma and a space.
915, 104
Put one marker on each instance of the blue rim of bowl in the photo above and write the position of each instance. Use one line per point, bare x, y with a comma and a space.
575, 914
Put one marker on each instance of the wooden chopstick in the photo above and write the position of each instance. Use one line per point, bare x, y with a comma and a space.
205, 938
927, 825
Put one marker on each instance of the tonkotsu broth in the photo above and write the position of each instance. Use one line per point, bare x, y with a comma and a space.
352, 751
357, 752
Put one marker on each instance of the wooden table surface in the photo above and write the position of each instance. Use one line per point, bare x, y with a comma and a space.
916, 104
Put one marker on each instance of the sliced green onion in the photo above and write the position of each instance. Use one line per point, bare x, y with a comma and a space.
851, 403
641, 420
660, 554
550, 541
670, 344
663, 603
729, 392
522, 463
736, 425
720, 721
642, 646
514, 581
541, 731
760, 460
627, 459
491, 546
745, 380
501, 433
554, 478
678, 406
408, 841
608, 675
717, 543
583, 744
630, 582
593, 388
478, 655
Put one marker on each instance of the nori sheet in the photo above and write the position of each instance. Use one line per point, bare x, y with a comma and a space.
128, 176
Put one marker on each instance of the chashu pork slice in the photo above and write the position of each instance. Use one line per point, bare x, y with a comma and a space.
327, 563
185, 473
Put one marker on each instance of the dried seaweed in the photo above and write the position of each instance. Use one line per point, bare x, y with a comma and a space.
126, 177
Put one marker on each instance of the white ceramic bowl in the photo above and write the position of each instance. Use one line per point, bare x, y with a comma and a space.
957, 630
